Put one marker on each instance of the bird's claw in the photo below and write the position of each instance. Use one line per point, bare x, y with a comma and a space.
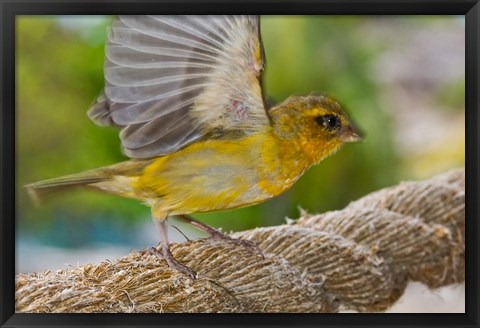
174, 264
217, 235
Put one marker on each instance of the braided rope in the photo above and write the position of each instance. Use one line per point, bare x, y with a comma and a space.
358, 258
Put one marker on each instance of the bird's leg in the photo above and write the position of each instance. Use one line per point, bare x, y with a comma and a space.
166, 254
216, 234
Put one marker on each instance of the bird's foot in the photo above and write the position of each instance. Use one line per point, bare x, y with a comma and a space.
218, 235
171, 261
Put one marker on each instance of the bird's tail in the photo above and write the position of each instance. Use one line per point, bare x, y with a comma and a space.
41, 190
115, 179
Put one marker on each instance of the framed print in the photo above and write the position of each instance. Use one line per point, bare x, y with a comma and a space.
290, 163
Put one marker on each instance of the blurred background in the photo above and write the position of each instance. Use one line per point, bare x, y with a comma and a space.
401, 78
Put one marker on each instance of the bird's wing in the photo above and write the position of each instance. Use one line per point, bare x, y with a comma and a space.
170, 80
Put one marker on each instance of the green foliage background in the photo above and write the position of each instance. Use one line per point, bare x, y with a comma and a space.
59, 72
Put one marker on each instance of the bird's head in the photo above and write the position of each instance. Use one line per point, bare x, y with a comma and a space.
315, 124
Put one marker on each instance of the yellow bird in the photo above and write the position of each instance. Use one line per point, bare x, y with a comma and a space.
186, 94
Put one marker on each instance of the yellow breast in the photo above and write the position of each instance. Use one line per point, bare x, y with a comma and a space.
219, 174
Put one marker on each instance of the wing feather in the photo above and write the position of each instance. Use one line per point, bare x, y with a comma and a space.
170, 80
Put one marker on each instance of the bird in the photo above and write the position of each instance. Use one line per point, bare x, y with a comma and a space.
186, 94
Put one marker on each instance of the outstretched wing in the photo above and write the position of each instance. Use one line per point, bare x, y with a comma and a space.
170, 80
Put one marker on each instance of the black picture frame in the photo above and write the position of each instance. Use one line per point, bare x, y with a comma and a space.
10, 8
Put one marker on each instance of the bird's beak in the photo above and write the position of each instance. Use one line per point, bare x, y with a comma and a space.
350, 134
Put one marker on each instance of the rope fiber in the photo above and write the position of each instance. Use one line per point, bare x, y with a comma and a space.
359, 258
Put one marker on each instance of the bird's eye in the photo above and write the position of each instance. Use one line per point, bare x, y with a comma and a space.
329, 121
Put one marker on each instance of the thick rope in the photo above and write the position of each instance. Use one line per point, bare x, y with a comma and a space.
358, 258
